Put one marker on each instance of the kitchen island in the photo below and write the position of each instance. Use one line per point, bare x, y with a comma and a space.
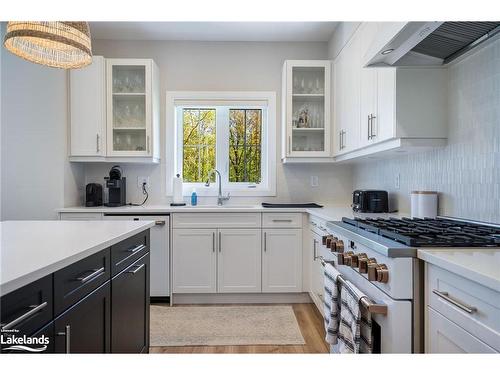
81, 286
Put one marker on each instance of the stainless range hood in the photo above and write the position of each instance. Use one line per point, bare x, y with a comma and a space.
432, 43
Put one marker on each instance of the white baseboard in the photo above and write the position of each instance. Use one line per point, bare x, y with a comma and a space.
230, 298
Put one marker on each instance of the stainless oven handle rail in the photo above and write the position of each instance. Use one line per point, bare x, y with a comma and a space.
372, 307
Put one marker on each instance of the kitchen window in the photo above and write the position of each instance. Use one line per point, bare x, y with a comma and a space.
231, 132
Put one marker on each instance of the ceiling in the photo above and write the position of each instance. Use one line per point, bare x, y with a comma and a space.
215, 31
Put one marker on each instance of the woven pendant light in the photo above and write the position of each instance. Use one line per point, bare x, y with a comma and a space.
57, 44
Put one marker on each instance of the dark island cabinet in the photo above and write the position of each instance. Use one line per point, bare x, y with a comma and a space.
99, 304
130, 308
85, 327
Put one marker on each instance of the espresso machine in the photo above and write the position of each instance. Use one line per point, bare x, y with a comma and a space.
116, 185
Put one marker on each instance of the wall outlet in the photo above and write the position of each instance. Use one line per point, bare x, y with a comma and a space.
397, 181
314, 181
141, 180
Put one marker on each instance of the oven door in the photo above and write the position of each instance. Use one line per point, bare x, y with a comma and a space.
392, 333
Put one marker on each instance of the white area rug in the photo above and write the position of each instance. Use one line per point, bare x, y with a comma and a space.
224, 325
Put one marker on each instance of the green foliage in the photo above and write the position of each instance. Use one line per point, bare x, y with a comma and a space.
199, 144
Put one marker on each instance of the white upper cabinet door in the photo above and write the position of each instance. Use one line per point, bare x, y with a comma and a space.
306, 110
282, 261
369, 81
194, 260
349, 92
130, 107
239, 261
87, 109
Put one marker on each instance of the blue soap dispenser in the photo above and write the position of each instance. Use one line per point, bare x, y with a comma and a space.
194, 198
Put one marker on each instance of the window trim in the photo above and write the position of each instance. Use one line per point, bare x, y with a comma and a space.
224, 98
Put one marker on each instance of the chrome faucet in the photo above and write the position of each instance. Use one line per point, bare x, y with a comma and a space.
220, 197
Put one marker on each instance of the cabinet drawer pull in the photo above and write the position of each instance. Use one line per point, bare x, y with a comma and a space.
282, 220
136, 269
265, 241
97, 143
160, 222
95, 273
67, 337
136, 248
33, 311
213, 242
444, 295
219, 243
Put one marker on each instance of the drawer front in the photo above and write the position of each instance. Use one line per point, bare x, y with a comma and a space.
74, 282
128, 251
80, 216
444, 336
282, 220
472, 306
29, 308
217, 220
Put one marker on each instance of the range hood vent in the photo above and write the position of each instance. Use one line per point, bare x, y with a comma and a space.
452, 39
432, 43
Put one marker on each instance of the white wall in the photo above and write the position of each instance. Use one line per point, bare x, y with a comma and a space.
225, 66
467, 171
36, 177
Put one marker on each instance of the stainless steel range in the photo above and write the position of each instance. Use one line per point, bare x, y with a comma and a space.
379, 257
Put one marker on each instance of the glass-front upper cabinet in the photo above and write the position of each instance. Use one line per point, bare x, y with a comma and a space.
306, 109
129, 107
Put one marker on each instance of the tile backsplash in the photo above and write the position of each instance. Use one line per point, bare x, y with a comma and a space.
466, 172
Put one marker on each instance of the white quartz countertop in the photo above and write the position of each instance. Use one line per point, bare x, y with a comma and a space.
479, 265
328, 212
30, 250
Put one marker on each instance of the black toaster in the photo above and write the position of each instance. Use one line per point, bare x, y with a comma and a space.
370, 201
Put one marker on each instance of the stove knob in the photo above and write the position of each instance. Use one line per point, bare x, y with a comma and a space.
332, 245
339, 245
364, 262
324, 239
348, 258
356, 258
340, 259
382, 273
372, 271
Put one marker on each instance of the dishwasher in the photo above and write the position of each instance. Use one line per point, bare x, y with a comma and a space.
159, 251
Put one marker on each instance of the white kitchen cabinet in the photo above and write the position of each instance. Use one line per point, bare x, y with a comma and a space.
306, 126
346, 107
383, 110
465, 313
444, 336
131, 100
282, 260
194, 260
239, 261
316, 289
115, 111
88, 110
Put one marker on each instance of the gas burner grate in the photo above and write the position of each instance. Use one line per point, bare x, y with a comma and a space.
430, 232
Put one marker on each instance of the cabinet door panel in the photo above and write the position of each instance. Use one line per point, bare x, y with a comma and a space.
444, 336
282, 260
385, 122
87, 112
194, 263
85, 327
239, 261
130, 308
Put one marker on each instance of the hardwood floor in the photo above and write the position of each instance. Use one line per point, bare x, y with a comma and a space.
311, 326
